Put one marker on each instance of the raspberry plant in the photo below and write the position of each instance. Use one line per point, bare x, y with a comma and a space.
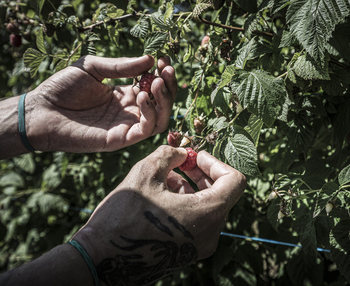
271, 78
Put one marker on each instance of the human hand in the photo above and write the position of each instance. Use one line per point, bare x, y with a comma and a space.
73, 111
154, 223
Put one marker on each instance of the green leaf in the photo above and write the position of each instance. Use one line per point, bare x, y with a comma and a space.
140, 29
37, 5
200, 7
159, 21
51, 177
299, 131
32, 59
46, 202
313, 104
339, 83
244, 54
40, 41
340, 40
262, 94
169, 11
221, 99
11, 179
154, 42
227, 76
305, 228
313, 21
341, 121
254, 127
324, 196
240, 152
307, 68
344, 176
188, 54
26, 163
340, 246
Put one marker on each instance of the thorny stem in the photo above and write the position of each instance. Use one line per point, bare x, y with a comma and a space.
193, 102
282, 75
72, 53
238, 29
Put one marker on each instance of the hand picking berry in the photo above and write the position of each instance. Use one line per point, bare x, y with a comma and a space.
146, 82
191, 160
174, 138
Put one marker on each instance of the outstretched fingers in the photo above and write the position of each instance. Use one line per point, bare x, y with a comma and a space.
101, 68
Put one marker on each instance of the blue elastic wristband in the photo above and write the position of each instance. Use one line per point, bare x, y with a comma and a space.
22, 124
87, 260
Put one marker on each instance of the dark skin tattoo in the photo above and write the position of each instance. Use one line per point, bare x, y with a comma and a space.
129, 268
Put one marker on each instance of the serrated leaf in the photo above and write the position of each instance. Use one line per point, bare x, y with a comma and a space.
299, 131
154, 42
313, 105
51, 177
11, 179
188, 54
46, 202
305, 228
200, 7
344, 176
287, 181
218, 123
307, 68
324, 196
26, 163
32, 59
159, 21
244, 53
37, 5
40, 41
254, 127
262, 94
313, 21
169, 11
338, 84
241, 153
220, 98
60, 65
340, 246
140, 29
226, 76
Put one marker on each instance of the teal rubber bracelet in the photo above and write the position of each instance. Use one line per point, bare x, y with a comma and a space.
22, 123
87, 260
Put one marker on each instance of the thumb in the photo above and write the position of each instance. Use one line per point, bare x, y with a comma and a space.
164, 159
102, 68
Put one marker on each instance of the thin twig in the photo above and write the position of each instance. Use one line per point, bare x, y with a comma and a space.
238, 29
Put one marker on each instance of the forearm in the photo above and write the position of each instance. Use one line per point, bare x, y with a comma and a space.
63, 265
10, 141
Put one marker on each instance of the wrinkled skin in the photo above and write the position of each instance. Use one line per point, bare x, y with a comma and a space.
73, 111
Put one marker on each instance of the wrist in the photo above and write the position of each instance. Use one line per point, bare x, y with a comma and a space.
63, 265
10, 141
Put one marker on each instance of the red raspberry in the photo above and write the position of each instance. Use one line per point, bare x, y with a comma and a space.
191, 160
146, 82
174, 138
16, 40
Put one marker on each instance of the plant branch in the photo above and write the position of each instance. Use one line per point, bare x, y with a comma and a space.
238, 29
91, 27
72, 53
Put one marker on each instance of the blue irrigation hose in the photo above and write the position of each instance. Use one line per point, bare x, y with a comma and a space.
268, 241
223, 233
